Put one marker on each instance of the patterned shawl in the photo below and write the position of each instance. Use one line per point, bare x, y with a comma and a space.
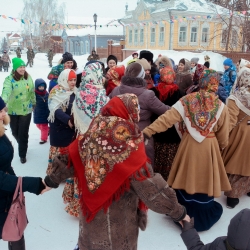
108, 155
60, 95
114, 75
241, 92
90, 97
201, 110
166, 86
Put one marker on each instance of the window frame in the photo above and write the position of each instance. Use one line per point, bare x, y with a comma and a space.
152, 35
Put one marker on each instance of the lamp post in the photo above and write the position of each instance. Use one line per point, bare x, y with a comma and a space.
95, 20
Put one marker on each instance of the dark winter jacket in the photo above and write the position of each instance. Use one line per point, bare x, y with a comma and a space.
149, 104
41, 111
54, 74
8, 180
238, 236
61, 135
169, 136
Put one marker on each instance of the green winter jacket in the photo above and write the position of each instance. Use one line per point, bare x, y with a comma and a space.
19, 95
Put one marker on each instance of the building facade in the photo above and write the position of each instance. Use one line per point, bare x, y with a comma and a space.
178, 25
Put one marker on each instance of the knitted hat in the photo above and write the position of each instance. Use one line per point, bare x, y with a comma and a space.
112, 57
207, 64
144, 63
149, 56
17, 62
72, 75
135, 70
228, 62
67, 57
195, 60
2, 103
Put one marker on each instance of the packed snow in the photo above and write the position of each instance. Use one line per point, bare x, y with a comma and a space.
51, 228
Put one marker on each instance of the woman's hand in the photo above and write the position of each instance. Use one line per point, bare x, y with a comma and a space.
187, 218
70, 124
46, 188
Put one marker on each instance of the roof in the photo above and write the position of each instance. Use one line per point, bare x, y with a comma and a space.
14, 36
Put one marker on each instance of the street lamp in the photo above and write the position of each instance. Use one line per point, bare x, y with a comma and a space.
95, 20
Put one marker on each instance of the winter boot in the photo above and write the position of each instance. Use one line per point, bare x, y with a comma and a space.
232, 202
42, 142
23, 160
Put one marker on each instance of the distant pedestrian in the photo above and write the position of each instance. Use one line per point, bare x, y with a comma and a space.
135, 55
111, 62
93, 56
41, 111
6, 61
18, 52
30, 57
1, 64
50, 56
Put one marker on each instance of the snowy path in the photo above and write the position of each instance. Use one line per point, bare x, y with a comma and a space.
51, 228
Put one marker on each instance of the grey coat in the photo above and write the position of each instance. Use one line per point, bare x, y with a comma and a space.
119, 227
149, 105
238, 235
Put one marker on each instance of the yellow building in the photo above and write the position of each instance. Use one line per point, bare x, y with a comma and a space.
178, 25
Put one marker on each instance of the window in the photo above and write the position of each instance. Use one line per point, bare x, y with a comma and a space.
87, 47
224, 36
130, 36
136, 36
193, 35
204, 37
183, 34
161, 39
152, 35
142, 36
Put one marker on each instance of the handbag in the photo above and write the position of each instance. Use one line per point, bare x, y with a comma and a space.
16, 220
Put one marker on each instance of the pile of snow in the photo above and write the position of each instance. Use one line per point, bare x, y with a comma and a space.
216, 60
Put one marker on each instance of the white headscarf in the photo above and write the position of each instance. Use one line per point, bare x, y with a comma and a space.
60, 94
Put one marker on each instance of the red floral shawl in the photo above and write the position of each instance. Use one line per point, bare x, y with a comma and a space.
108, 155
114, 75
166, 86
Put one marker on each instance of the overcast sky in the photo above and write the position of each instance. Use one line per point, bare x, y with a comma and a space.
86, 8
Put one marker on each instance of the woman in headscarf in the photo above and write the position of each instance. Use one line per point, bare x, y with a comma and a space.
115, 179
184, 79
114, 76
89, 100
236, 155
166, 143
60, 103
198, 173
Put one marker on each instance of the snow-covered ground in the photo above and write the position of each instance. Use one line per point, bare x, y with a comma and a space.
51, 228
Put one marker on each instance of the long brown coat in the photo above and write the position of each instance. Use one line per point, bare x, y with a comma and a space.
119, 227
236, 155
197, 167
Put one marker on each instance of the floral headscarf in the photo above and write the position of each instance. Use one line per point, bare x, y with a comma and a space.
90, 97
60, 95
241, 92
201, 110
114, 75
166, 86
111, 151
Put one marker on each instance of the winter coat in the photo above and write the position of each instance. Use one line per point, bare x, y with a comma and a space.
19, 95
149, 105
54, 74
118, 228
61, 135
226, 83
6, 58
50, 55
8, 180
238, 235
41, 111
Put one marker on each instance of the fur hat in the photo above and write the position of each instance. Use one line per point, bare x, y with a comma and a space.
144, 63
112, 57
135, 70
195, 60
149, 56
163, 61
67, 57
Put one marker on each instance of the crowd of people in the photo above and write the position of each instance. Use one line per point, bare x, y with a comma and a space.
128, 138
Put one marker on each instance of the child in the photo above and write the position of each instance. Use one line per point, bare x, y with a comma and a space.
238, 236
41, 111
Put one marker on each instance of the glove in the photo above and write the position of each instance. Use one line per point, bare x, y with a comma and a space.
187, 225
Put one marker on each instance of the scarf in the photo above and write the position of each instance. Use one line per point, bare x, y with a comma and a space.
108, 155
166, 87
198, 72
201, 110
244, 63
60, 95
44, 92
90, 97
114, 75
241, 91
